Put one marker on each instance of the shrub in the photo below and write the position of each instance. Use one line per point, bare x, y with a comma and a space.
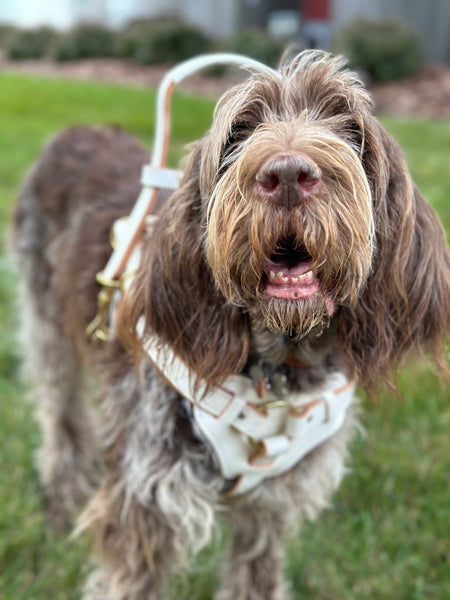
84, 41
256, 44
161, 41
385, 50
29, 43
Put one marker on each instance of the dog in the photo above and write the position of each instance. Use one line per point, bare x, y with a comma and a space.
296, 257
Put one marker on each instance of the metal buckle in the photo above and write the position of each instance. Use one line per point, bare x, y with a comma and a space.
98, 329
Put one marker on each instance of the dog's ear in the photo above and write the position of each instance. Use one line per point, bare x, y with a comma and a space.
406, 301
175, 293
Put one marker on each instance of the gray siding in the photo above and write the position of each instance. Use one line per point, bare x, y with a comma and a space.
430, 18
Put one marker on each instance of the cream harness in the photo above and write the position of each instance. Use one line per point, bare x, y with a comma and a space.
252, 437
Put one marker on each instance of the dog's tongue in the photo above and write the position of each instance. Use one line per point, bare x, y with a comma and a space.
290, 282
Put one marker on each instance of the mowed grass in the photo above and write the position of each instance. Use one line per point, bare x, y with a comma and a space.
387, 534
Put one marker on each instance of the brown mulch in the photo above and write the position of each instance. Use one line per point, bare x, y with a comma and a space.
426, 94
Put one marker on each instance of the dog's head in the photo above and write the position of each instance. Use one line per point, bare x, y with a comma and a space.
296, 212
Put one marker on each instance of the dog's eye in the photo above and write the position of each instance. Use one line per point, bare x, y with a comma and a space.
239, 132
354, 135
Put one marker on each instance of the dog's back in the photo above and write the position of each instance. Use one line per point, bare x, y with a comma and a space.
79, 185
85, 178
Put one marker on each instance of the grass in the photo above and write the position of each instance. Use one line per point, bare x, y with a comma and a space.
387, 537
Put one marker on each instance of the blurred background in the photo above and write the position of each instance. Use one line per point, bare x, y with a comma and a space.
310, 23
99, 61
385, 40
314, 22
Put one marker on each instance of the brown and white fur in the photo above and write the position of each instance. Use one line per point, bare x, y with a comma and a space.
295, 175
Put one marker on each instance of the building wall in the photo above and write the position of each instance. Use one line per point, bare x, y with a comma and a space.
217, 18
213, 17
430, 18
60, 15
33, 13
119, 12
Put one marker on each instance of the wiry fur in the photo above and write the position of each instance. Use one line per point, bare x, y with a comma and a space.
377, 251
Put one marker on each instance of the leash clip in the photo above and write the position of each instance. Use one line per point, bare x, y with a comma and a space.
98, 329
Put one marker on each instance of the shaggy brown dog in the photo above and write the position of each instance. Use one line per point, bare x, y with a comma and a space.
296, 244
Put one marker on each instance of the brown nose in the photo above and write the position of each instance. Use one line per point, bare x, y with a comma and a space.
288, 180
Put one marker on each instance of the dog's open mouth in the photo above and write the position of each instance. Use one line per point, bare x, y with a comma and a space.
288, 274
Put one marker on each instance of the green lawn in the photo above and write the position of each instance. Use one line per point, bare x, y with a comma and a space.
387, 535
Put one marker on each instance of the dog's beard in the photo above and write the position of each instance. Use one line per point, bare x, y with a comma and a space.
294, 317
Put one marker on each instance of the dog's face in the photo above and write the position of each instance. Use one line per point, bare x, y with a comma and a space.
289, 219
296, 212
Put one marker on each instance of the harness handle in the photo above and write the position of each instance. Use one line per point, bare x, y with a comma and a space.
155, 177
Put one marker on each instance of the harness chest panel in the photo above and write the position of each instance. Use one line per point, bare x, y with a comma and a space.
253, 438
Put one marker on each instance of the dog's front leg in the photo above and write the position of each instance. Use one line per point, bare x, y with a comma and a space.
254, 569
155, 509
69, 450
135, 545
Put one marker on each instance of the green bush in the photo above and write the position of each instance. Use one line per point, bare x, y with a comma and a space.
84, 41
161, 41
385, 50
25, 44
257, 44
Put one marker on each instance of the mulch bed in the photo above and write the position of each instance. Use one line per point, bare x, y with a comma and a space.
426, 94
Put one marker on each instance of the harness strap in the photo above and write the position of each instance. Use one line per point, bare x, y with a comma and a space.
166, 179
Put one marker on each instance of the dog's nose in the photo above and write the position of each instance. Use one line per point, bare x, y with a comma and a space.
288, 179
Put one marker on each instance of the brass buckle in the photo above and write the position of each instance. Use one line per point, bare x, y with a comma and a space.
98, 329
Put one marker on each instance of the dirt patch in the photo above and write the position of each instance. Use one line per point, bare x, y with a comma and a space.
427, 94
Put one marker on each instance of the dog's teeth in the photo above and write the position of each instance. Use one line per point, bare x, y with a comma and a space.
284, 278
306, 277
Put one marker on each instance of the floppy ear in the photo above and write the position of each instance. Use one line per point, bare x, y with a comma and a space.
175, 292
406, 301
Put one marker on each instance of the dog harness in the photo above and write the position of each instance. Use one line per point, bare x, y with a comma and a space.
254, 436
